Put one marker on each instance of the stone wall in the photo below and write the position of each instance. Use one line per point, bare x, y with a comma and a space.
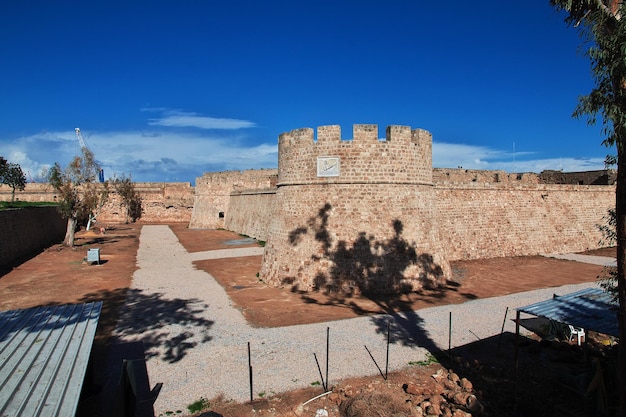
467, 176
249, 212
442, 176
486, 220
603, 177
24, 232
213, 191
161, 202
481, 214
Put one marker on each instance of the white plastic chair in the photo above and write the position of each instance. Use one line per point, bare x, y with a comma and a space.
577, 332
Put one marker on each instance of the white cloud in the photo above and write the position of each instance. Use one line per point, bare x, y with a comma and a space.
447, 155
175, 118
152, 155
163, 154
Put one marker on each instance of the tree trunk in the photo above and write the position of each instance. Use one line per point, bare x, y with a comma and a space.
620, 211
69, 233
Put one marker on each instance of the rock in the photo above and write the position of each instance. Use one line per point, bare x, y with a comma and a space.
439, 375
431, 410
466, 384
454, 377
438, 389
460, 413
376, 404
474, 405
460, 398
449, 384
449, 395
413, 389
349, 391
437, 400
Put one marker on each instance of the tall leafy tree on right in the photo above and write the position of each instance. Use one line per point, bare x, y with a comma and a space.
603, 28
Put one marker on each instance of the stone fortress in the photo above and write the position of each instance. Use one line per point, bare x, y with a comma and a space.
367, 214
370, 214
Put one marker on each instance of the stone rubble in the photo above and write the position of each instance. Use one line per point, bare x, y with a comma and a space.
444, 395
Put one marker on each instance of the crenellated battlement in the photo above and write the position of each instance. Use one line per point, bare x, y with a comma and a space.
403, 156
360, 132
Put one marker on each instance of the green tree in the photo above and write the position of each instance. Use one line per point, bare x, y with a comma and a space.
602, 27
131, 200
81, 196
608, 278
14, 177
3, 166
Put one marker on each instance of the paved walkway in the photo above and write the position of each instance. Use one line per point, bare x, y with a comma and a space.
588, 259
196, 342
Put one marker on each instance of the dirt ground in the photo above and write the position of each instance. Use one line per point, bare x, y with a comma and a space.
60, 275
266, 306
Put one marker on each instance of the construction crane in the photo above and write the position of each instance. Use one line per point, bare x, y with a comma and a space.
83, 146
80, 138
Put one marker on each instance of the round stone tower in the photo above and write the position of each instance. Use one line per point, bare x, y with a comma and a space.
354, 216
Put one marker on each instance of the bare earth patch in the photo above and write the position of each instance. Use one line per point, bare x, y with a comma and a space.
265, 306
59, 275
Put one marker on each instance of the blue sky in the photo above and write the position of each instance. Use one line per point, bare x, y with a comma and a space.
167, 90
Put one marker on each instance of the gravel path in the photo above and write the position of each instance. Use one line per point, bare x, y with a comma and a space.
589, 259
196, 342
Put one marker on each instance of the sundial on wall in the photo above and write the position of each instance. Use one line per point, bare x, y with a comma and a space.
327, 166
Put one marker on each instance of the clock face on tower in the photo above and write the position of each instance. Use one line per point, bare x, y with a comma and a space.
327, 166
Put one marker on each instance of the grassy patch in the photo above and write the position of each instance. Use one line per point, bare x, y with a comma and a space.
430, 359
76, 264
4, 205
199, 405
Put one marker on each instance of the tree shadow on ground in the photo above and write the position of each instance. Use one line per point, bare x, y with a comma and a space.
376, 269
138, 325
168, 328
95, 237
534, 385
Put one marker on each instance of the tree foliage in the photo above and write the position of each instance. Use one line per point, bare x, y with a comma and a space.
130, 198
604, 31
80, 195
12, 175
608, 277
3, 166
